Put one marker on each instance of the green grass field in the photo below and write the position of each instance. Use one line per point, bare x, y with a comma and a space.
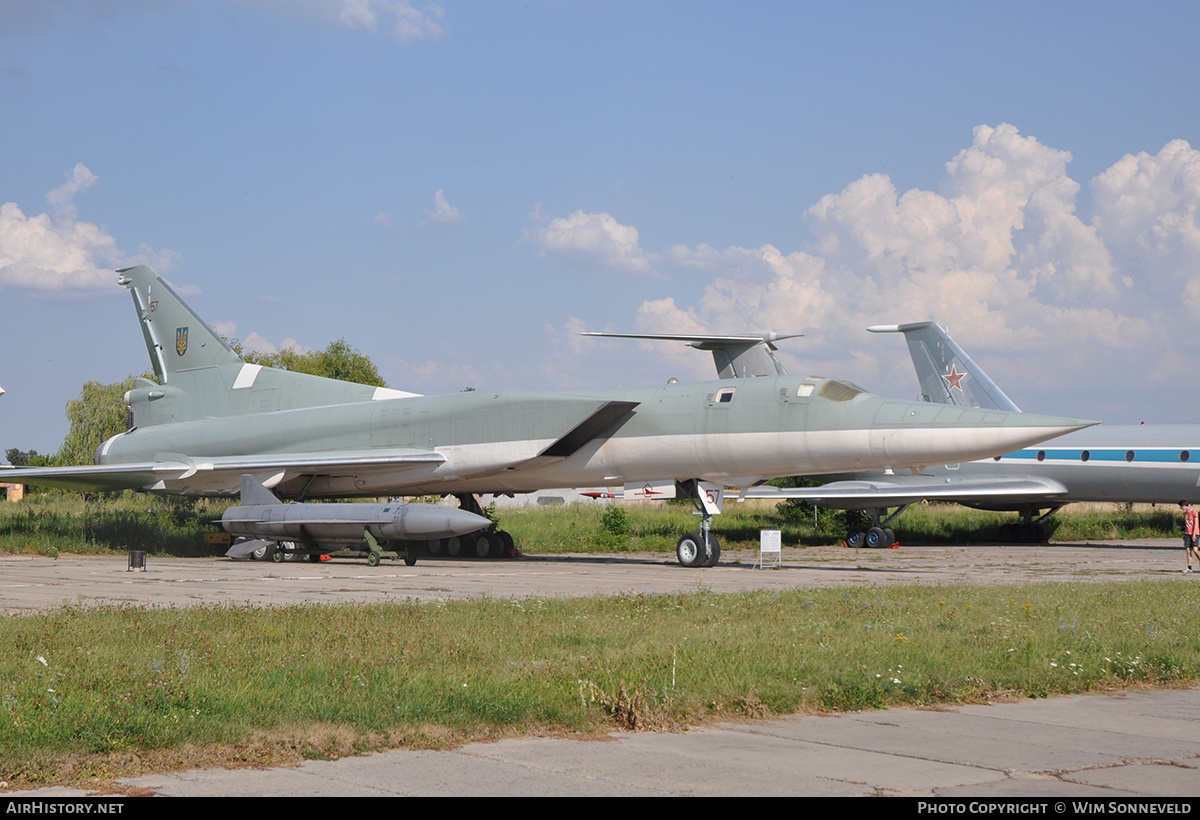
92, 694
89, 695
66, 522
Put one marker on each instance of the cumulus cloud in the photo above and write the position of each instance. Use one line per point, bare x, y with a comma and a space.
594, 241
255, 342
1148, 211
443, 212
401, 20
225, 328
432, 376
998, 251
61, 253
258, 343
62, 199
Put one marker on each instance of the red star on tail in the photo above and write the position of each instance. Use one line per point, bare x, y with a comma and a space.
954, 378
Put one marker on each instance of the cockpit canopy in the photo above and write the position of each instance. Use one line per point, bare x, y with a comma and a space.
832, 389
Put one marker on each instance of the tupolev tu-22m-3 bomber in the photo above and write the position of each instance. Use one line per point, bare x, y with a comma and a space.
214, 418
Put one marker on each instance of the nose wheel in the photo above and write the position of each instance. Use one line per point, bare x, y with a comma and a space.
699, 549
692, 552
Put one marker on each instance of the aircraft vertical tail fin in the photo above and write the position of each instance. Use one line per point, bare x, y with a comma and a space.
176, 338
947, 374
200, 377
735, 357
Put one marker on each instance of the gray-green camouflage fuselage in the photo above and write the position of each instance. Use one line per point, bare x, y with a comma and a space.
215, 418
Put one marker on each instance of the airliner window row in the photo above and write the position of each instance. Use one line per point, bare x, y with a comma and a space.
1101, 455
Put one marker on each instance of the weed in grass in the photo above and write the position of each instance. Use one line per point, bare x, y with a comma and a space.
632, 708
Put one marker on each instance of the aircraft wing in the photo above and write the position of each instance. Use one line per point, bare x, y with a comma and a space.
104, 478
221, 476
894, 491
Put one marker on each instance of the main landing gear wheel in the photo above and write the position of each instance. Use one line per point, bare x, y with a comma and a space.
880, 537
877, 534
479, 545
506, 543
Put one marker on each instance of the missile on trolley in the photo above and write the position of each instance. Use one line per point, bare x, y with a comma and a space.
322, 528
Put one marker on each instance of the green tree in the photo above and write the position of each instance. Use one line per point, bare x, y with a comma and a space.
824, 520
337, 361
97, 415
100, 411
340, 361
26, 458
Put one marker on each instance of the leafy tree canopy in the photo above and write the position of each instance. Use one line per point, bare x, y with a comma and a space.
26, 458
337, 361
100, 411
97, 415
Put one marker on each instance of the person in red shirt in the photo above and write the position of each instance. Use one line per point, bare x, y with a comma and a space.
1191, 533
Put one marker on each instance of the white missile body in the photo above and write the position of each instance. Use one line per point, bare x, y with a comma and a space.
331, 527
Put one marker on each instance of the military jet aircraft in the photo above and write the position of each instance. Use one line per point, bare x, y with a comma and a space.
213, 418
1123, 463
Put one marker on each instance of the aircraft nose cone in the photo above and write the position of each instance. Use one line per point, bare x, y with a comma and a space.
931, 434
1019, 430
1056, 423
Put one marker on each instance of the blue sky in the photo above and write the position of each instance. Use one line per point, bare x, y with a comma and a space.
457, 188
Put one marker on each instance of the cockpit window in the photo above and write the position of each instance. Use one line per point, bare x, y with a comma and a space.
838, 391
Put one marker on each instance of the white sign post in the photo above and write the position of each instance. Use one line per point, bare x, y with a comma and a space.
770, 549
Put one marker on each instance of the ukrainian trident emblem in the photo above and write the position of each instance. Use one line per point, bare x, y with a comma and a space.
181, 340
